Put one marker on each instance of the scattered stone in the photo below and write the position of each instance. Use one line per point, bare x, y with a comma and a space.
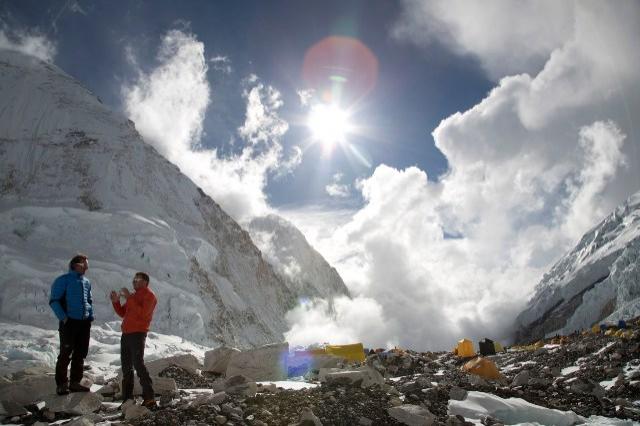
134, 411
11, 409
307, 418
412, 415
521, 379
457, 393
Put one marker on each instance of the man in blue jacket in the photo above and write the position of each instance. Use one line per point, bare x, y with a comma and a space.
72, 303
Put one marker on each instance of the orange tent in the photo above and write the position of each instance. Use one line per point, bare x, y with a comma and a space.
483, 367
465, 349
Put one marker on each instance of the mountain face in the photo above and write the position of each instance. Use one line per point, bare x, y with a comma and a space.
77, 177
599, 280
305, 272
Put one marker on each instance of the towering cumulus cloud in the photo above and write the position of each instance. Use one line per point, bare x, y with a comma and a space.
534, 165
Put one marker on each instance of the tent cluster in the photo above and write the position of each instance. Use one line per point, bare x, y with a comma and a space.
465, 349
479, 365
620, 330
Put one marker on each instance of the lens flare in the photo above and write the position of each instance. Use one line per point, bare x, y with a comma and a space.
328, 124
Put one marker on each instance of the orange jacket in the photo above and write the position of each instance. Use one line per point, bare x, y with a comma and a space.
137, 311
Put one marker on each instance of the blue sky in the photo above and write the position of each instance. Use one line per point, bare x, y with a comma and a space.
412, 94
511, 125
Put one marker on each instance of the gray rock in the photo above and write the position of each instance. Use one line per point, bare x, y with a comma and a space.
214, 399
188, 362
412, 415
521, 379
220, 419
217, 360
28, 390
10, 409
85, 421
477, 381
363, 421
457, 393
267, 362
135, 411
364, 376
455, 421
80, 403
161, 385
307, 418
238, 385
581, 386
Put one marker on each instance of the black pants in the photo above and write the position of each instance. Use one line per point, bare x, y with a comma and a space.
74, 346
132, 356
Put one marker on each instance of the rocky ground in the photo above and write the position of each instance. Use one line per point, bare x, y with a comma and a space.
591, 374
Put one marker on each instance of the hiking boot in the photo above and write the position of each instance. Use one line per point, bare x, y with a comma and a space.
150, 404
77, 387
62, 389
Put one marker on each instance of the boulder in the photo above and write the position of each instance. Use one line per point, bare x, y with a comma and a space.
521, 379
412, 415
135, 411
307, 418
213, 399
237, 385
364, 376
457, 393
80, 403
267, 362
188, 362
11, 408
217, 360
28, 390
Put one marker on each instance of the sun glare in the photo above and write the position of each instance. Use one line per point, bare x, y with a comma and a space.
328, 124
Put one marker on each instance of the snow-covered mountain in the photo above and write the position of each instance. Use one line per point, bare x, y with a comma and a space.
304, 270
77, 177
599, 280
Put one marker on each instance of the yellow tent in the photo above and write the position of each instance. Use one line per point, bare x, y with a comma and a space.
465, 348
353, 352
498, 347
483, 367
595, 329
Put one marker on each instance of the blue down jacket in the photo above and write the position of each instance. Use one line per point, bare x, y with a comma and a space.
71, 297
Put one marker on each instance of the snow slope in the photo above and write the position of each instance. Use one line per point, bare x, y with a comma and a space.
598, 280
77, 177
303, 269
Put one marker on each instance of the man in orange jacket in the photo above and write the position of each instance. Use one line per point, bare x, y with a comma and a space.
136, 314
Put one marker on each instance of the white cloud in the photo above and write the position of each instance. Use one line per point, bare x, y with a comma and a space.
221, 63
262, 123
168, 105
508, 37
305, 96
29, 42
532, 167
337, 189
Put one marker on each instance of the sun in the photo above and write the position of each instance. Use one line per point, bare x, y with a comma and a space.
329, 124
